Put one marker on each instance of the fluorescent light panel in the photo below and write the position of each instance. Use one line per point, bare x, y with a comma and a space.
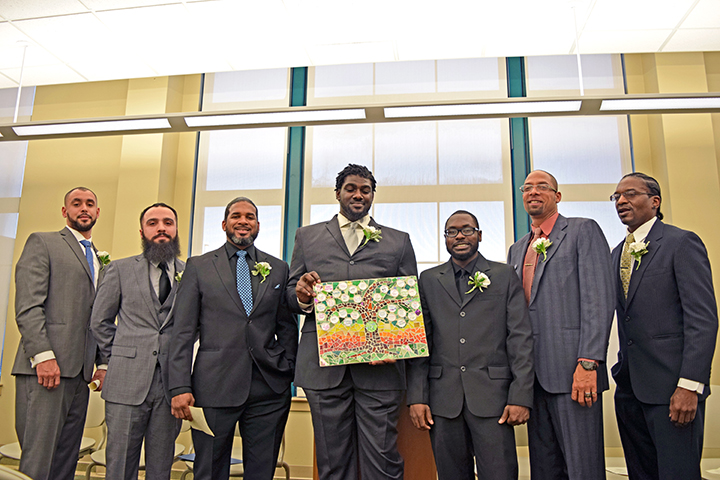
483, 109
659, 104
275, 117
91, 127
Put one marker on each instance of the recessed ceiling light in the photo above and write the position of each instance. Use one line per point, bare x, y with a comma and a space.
275, 117
483, 109
92, 127
660, 104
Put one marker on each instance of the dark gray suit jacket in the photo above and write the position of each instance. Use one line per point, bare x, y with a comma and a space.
208, 304
668, 325
480, 344
142, 334
321, 248
571, 306
54, 295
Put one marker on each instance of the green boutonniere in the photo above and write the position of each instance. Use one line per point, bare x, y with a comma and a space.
262, 268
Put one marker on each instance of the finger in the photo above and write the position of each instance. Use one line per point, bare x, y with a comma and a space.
429, 420
188, 415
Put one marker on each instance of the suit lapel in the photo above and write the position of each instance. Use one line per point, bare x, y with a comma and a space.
616, 254
263, 285
334, 229
222, 265
78, 251
481, 265
363, 244
447, 280
557, 235
654, 241
142, 277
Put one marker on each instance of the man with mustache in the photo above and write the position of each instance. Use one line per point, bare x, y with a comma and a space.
140, 293
55, 281
234, 297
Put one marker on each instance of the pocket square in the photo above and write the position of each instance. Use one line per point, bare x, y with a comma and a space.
277, 286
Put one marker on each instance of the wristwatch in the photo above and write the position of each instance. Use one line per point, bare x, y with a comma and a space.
587, 365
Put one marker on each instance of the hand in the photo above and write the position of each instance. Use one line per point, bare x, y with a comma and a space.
515, 415
48, 373
181, 406
304, 288
584, 381
99, 375
421, 416
383, 362
683, 406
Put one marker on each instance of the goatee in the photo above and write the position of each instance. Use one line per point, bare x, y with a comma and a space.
242, 241
157, 253
75, 225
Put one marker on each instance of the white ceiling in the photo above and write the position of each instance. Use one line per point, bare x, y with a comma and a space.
90, 40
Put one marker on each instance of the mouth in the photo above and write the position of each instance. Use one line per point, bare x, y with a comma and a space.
162, 236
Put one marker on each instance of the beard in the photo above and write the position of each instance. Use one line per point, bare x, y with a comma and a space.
75, 225
160, 252
241, 241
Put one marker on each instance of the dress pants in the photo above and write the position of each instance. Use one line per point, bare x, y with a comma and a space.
455, 439
565, 439
350, 424
261, 420
655, 448
49, 426
128, 425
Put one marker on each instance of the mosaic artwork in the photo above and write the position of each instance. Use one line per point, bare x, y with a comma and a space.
359, 321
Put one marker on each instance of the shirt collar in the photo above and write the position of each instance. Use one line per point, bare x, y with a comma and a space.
549, 224
78, 236
343, 221
232, 250
469, 268
642, 231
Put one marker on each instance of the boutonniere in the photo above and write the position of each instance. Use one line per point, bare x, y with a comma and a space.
541, 245
104, 258
371, 233
637, 250
478, 280
178, 276
262, 268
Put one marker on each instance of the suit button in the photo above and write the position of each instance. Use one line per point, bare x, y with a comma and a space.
462, 369
462, 314
630, 342
352, 262
160, 332
251, 349
462, 340
627, 319
155, 352
249, 322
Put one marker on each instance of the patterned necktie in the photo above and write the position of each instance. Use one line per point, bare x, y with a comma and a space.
529, 264
89, 254
244, 287
351, 237
626, 264
164, 283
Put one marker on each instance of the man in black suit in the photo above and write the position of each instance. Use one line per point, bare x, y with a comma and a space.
234, 299
667, 322
478, 381
355, 408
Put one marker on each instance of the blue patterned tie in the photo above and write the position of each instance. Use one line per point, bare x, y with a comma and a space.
244, 287
89, 254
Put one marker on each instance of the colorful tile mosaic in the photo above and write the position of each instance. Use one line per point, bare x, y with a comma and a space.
360, 321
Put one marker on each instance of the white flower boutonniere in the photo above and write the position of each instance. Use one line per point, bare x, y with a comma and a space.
541, 245
478, 280
637, 250
371, 233
104, 258
262, 268
178, 276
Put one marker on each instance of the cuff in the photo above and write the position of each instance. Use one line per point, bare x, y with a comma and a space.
691, 385
179, 391
305, 307
42, 357
102, 367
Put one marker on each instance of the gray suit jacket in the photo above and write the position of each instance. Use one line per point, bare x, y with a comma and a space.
142, 334
54, 294
668, 325
572, 300
321, 248
480, 344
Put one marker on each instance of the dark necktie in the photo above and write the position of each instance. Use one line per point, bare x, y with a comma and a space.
244, 287
89, 254
164, 283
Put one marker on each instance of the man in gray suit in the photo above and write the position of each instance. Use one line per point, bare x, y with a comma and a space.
55, 281
355, 408
140, 292
564, 265
478, 381
667, 323
234, 298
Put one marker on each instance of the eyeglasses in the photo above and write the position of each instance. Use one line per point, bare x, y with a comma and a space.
629, 195
543, 187
467, 231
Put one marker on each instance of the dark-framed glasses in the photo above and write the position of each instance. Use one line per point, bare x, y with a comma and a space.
467, 231
543, 187
629, 195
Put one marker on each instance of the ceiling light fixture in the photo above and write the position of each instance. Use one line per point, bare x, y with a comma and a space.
92, 127
659, 104
505, 108
275, 117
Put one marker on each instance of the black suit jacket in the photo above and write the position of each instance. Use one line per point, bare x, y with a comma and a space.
668, 325
208, 305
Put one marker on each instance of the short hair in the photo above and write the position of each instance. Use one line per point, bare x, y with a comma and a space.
652, 185
353, 169
238, 200
552, 178
462, 212
82, 189
158, 204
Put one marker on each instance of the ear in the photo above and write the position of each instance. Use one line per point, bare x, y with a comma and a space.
558, 197
64, 212
337, 195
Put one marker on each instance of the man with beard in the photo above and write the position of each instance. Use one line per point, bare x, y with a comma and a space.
477, 383
140, 292
234, 298
55, 282
355, 408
